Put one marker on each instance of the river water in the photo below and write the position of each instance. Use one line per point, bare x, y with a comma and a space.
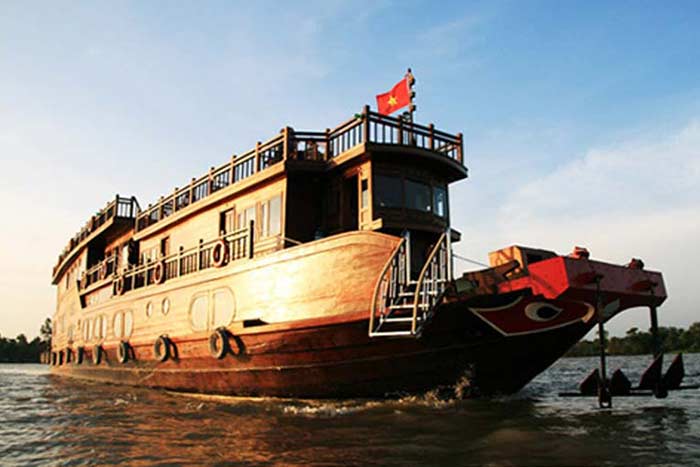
51, 420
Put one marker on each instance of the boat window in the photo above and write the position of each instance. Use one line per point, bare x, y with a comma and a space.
271, 217
440, 201
149, 309
128, 323
364, 193
198, 313
223, 308
388, 191
165, 306
245, 216
118, 322
418, 196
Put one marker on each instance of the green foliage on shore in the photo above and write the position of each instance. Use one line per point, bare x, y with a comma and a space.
637, 342
21, 350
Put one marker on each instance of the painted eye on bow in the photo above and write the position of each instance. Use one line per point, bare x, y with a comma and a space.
542, 312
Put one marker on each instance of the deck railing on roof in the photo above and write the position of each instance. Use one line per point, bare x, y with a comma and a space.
119, 207
368, 127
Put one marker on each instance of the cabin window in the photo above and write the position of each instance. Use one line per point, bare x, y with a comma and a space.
226, 221
223, 308
388, 191
271, 217
149, 309
418, 196
245, 216
165, 306
198, 313
440, 201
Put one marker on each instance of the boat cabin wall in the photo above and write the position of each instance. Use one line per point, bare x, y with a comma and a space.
263, 205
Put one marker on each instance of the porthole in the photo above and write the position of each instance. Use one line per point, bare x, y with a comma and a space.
165, 306
128, 323
118, 321
104, 324
149, 309
223, 308
199, 313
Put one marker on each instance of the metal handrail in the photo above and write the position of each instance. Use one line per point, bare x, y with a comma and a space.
382, 279
420, 296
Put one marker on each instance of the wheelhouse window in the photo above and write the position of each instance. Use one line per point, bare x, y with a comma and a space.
388, 191
418, 196
440, 201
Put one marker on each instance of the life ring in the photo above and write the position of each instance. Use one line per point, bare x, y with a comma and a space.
79, 355
119, 285
218, 343
219, 253
97, 354
159, 272
123, 351
161, 348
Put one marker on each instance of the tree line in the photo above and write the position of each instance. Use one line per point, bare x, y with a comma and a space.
638, 342
22, 350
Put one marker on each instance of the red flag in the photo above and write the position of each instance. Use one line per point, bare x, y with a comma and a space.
395, 99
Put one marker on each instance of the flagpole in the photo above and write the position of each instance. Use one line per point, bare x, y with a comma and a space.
411, 94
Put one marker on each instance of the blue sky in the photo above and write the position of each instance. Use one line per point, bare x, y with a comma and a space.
581, 119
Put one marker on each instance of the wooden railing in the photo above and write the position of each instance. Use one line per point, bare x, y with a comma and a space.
103, 270
186, 261
125, 208
368, 127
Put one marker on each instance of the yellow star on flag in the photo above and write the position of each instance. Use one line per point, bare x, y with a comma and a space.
392, 101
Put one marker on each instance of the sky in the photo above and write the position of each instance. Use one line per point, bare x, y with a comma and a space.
581, 119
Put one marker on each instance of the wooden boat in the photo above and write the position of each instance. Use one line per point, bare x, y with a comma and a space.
319, 264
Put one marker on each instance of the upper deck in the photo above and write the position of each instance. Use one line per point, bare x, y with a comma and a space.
362, 131
119, 208
365, 132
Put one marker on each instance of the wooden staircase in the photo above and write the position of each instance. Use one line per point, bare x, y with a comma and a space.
401, 307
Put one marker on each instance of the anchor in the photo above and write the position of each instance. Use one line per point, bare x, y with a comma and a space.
652, 381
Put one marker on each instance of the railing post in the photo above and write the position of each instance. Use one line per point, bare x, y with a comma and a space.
431, 137
210, 182
365, 129
179, 261
251, 237
257, 157
199, 255
400, 135
288, 136
460, 148
233, 169
329, 151
191, 192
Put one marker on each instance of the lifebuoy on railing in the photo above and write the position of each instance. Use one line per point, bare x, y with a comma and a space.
218, 343
219, 253
161, 348
123, 351
159, 272
119, 285
97, 354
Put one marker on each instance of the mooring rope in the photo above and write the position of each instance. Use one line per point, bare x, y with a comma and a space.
470, 260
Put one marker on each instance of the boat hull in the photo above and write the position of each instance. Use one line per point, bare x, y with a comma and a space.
319, 359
